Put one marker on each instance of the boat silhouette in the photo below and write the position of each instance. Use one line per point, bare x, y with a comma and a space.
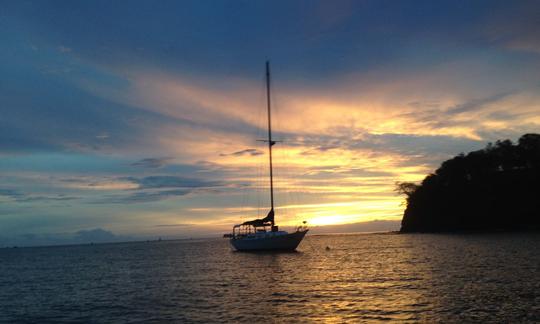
263, 234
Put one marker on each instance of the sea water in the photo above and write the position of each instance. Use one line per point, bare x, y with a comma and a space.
368, 277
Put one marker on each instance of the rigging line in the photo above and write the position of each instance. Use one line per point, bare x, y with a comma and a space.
289, 168
259, 185
260, 166
256, 168
280, 175
270, 143
283, 169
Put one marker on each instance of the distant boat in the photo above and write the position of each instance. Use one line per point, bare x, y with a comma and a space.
263, 234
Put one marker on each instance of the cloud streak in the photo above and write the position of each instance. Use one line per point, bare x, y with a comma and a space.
249, 152
152, 163
168, 181
22, 197
144, 196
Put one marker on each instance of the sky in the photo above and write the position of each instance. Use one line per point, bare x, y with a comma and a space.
140, 119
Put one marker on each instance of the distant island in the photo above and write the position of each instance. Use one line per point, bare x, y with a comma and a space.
493, 189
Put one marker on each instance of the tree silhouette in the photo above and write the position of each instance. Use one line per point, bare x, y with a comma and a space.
496, 188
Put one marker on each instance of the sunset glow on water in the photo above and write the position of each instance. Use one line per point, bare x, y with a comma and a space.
358, 278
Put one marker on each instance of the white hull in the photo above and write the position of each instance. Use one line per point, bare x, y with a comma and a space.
284, 242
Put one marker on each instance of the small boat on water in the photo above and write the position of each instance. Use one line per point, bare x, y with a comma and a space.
263, 234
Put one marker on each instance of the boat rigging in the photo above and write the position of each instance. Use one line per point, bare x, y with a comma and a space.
254, 235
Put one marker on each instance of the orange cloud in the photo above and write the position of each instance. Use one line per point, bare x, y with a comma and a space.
210, 118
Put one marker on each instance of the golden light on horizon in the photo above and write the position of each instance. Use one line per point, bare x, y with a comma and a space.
157, 128
336, 153
343, 147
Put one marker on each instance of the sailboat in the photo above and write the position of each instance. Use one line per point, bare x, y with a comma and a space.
263, 234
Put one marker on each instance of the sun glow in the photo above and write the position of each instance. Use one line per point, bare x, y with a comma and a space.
330, 220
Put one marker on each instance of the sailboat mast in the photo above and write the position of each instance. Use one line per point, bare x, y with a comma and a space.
270, 142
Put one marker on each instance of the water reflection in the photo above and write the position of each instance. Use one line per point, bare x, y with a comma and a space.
359, 278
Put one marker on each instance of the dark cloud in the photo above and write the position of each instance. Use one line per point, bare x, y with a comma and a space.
475, 104
516, 28
156, 188
423, 104
54, 113
144, 196
335, 32
433, 115
404, 144
167, 181
208, 166
59, 197
152, 163
19, 196
51, 113
408, 144
250, 152
10, 193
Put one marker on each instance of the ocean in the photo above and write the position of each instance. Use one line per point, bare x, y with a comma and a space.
332, 278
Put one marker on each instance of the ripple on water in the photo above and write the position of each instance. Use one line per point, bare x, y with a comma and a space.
457, 278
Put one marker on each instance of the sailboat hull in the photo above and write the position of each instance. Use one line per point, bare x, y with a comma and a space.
286, 242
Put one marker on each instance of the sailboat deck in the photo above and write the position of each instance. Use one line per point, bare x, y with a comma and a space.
259, 235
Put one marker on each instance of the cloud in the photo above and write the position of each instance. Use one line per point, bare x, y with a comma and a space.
143, 189
157, 182
250, 152
354, 118
10, 193
58, 197
152, 163
476, 104
516, 27
144, 196
157, 188
436, 100
22, 197
42, 116
385, 143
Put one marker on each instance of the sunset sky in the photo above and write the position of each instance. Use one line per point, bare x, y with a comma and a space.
140, 119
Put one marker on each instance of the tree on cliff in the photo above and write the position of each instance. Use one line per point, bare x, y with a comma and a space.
496, 188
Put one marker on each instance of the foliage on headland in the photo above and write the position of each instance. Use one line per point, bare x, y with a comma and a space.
496, 188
